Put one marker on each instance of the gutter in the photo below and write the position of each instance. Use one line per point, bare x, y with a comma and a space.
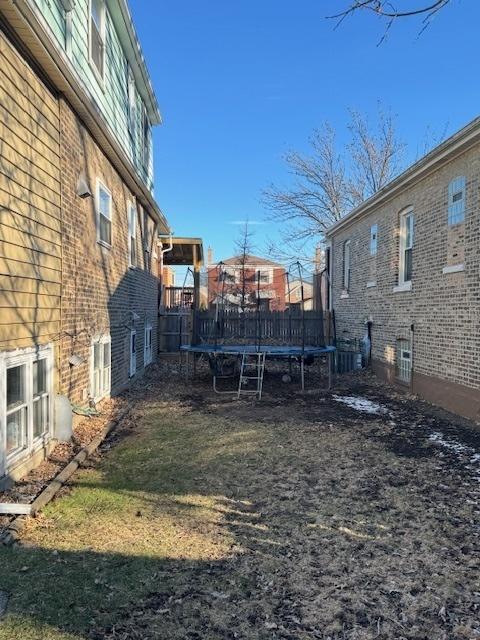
58, 68
445, 152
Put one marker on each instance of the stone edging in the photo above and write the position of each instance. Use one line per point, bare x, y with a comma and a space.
14, 529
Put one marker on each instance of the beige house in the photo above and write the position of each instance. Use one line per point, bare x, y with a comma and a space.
407, 261
78, 221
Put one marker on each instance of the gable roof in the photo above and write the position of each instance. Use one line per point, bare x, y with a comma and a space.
445, 152
252, 261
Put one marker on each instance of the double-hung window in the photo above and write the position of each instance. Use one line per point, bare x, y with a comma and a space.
132, 234
146, 141
456, 200
148, 352
373, 239
101, 367
346, 265
104, 214
17, 429
132, 102
406, 248
25, 403
263, 276
97, 36
133, 353
40, 396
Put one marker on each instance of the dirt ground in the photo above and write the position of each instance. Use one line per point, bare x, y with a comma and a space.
343, 515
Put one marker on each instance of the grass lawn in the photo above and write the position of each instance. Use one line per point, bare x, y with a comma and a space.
297, 517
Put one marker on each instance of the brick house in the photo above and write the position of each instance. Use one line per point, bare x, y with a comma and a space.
408, 261
237, 279
79, 223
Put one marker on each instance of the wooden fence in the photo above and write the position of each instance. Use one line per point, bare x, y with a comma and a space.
275, 327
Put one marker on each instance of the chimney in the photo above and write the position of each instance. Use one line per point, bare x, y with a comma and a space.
209, 256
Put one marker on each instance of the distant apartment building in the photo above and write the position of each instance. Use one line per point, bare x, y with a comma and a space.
78, 225
247, 281
407, 262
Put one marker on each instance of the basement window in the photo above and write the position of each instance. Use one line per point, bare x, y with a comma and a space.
25, 409
133, 353
404, 361
104, 215
148, 351
101, 367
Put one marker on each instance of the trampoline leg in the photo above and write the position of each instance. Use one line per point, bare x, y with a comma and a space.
302, 372
329, 364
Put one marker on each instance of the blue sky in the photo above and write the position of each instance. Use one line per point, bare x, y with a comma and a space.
241, 83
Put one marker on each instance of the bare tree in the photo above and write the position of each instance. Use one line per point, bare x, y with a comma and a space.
243, 249
387, 10
328, 183
375, 154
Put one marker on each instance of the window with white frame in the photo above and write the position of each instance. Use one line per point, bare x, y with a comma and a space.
373, 239
132, 234
104, 214
101, 360
404, 360
263, 276
456, 200
406, 247
346, 265
133, 353
25, 405
40, 397
97, 36
148, 352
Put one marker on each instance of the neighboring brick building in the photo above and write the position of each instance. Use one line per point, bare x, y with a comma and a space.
408, 261
236, 279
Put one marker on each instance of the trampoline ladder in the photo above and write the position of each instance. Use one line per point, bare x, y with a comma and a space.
252, 363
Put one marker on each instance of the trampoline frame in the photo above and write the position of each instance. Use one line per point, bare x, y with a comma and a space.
271, 351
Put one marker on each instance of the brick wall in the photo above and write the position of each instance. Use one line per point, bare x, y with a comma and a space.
444, 308
100, 293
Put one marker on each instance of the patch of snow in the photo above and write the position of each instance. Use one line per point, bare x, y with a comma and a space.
362, 404
471, 457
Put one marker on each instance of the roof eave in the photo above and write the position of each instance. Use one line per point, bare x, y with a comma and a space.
27, 22
445, 152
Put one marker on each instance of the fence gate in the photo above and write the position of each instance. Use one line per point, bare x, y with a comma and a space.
175, 329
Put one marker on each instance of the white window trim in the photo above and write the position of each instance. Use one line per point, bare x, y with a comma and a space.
133, 356
402, 283
101, 184
263, 270
103, 31
132, 232
371, 284
105, 392
25, 357
405, 286
147, 359
455, 268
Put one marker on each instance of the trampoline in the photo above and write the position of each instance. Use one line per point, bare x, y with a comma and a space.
271, 351
226, 343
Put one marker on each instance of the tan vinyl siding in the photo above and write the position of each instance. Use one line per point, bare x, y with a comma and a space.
30, 232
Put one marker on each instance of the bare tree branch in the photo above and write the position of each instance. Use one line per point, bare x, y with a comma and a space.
385, 9
327, 184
